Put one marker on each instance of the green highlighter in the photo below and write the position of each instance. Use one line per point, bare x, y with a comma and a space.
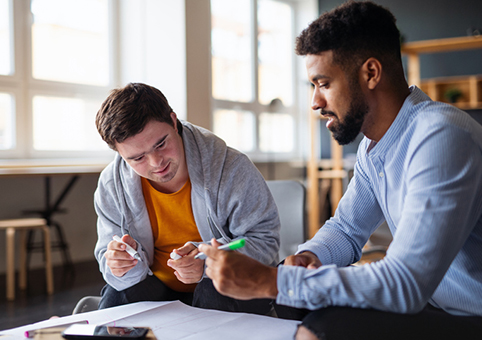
230, 246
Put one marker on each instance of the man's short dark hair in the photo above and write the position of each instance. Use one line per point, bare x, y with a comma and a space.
127, 110
354, 31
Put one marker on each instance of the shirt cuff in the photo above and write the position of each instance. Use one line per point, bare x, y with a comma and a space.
289, 285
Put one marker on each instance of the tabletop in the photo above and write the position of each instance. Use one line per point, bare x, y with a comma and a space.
23, 167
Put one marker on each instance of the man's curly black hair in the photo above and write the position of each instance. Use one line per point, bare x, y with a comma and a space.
354, 31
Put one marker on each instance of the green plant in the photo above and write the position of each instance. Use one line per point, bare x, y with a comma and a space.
453, 95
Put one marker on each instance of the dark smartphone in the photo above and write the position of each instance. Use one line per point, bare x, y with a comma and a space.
85, 332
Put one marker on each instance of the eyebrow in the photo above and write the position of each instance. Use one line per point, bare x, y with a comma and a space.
318, 77
161, 140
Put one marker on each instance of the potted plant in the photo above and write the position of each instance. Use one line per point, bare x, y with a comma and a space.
453, 95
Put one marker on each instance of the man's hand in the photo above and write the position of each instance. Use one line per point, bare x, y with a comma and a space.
239, 276
118, 260
305, 259
187, 269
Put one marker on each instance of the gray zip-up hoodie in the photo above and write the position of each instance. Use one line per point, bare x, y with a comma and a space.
230, 200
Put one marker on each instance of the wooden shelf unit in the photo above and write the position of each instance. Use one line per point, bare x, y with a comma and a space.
334, 172
470, 86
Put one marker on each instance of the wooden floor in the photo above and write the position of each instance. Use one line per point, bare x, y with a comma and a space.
34, 304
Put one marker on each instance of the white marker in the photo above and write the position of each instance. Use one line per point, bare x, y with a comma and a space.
131, 251
175, 256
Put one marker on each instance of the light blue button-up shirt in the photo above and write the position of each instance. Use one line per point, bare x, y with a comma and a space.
424, 177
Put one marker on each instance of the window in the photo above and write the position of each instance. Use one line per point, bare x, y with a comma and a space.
5, 38
253, 72
55, 71
70, 41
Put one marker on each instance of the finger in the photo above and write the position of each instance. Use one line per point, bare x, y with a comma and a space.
187, 249
130, 241
210, 251
114, 245
123, 263
115, 254
187, 279
314, 264
290, 260
120, 268
215, 243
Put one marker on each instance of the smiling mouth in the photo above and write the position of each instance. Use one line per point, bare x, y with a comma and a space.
163, 170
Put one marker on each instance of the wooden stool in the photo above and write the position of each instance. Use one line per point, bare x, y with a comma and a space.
24, 224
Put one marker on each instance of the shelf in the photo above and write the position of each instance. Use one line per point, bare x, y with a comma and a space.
414, 49
469, 86
442, 45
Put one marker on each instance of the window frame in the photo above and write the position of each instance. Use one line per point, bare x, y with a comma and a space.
24, 87
295, 110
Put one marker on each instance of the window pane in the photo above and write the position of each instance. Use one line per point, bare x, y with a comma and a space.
70, 41
7, 122
231, 50
236, 127
275, 52
5, 38
65, 124
276, 132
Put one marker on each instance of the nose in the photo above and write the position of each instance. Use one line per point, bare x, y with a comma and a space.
155, 159
318, 102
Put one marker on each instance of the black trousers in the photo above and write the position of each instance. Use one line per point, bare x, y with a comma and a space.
204, 296
354, 323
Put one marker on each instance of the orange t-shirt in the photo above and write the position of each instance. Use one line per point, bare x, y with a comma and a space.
173, 225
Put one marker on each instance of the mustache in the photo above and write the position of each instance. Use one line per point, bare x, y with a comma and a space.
327, 113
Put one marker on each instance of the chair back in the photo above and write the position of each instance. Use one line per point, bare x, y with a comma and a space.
289, 196
87, 304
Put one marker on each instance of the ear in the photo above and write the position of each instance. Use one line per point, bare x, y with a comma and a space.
174, 120
371, 72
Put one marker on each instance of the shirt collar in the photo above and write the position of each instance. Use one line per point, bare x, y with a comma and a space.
399, 125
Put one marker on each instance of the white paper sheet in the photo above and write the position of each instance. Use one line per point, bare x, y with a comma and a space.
177, 321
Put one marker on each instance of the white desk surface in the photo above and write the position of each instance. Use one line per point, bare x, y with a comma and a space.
175, 321
26, 167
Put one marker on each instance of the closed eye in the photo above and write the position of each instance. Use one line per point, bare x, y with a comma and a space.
161, 144
323, 85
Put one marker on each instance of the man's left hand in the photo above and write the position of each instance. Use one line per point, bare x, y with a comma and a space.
187, 269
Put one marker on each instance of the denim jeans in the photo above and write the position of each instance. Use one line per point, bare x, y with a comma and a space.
204, 296
332, 323
150, 289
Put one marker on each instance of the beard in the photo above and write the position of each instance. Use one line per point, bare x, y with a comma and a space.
346, 131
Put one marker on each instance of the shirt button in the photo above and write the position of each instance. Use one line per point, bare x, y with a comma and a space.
291, 292
381, 174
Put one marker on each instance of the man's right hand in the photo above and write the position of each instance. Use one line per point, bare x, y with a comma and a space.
305, 259
118, 260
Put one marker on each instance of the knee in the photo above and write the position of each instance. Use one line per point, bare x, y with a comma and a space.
111, 297
304, 333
